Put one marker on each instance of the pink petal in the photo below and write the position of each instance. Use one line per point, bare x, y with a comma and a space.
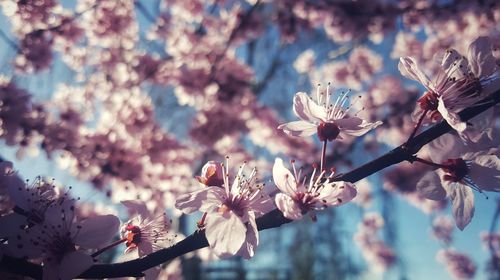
291, 210
136, 207
409, 68
247, 251
50, 270
299, 128
462, 199
95, 232
215, 197
190, 202
452, 118
308, 110
283, 178
225, 233
73, 264
482, 62
430, 187
261, 205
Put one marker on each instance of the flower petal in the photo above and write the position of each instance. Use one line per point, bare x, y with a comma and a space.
482, 62
283, 178
454, 65
136, 207
430, 187
225, 233
485, 172
73, 264
409, 68
247, 251
291, 210
144, 248
190, 202
299, 128
452, 118
336, 194
462, 199
10, 224
355, 126
97, 231
306, 109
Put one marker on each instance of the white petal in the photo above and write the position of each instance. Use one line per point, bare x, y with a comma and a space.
409, 68
136, 207
247, 251
291, 210
283, 178
355, 126
299, 128
97, 231
215, 196
430, 187
306, 109
144, 248
462, 199
452, 118
190, 202
225, 233
336, 194
73, 264
481, 58
261, 205
485, 172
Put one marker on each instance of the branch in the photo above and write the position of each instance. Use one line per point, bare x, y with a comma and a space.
272, 219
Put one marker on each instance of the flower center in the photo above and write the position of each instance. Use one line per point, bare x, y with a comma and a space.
133, 236
428, 102
456, 169
328, 131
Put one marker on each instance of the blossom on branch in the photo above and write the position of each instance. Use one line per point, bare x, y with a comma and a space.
329, 120
459, 83
297, 198
231, 211
458, 177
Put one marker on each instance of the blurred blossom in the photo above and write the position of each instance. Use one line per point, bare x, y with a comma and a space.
458, 265
491, 242
364, 197
305, 61
442, 229
406, 45
380, 256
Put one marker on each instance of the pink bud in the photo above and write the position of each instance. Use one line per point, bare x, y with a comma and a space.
211, 174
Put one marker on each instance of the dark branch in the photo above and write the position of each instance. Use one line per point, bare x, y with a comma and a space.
272, 219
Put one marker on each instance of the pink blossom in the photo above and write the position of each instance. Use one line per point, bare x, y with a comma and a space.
230, 225
459, 83
330, 120
297, 198
458, 178
459, 265
146, 232
305, 62
60, 240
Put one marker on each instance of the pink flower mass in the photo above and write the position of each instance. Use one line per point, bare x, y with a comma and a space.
365, 132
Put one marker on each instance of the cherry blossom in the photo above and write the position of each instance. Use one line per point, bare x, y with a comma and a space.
61, 238
230, 225
442, 229
145, 232
457, 84
299, 197
329, 120
459, 265
456, 180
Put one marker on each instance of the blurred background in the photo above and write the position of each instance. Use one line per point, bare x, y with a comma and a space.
128, 99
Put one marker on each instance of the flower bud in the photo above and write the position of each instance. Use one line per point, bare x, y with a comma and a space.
211, 174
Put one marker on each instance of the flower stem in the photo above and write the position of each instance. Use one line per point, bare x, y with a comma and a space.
100, 251
323, 155
201, 223
428, 162
417, 126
